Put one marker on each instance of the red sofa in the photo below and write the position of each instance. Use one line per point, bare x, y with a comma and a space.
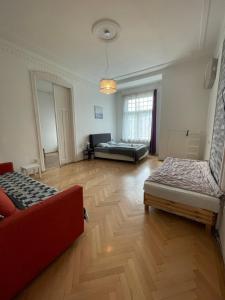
30, 239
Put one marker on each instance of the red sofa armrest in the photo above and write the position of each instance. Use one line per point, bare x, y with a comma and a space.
6, 167
32, 238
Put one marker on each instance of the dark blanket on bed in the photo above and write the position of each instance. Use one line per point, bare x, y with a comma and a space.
134, 151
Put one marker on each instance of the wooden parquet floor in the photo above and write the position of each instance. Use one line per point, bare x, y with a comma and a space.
125, 253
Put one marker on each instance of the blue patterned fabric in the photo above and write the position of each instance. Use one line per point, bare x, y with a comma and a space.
218, 138
23, 190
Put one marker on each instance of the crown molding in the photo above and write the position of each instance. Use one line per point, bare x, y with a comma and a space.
156, 69
146, 71
43, 64
48, 65
204, 18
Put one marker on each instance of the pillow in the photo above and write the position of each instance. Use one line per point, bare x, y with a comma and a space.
112, 143
104, 145
7, 208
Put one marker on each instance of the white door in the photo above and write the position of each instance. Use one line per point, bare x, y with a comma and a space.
184, 144
63, 110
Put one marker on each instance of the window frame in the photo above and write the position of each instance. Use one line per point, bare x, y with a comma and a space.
137, 105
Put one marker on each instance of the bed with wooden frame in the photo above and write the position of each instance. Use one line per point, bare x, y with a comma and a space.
200, 215
196, 206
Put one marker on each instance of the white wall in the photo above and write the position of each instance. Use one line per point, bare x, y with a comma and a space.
85, 99
210, 121
18, 139
120, 102
47, 121
184, 100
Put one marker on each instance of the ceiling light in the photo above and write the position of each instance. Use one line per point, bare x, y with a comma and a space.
107, 31
107, 86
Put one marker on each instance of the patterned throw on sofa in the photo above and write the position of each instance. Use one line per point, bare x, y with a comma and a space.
23, 190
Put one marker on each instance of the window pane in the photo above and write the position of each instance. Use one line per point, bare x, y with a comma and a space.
137, 118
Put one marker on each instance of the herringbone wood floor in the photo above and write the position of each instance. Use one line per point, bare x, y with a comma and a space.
124, 253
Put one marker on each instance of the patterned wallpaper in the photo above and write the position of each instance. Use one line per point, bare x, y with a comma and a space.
218, 138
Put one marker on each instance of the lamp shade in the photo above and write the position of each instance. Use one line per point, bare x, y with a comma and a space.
108, 86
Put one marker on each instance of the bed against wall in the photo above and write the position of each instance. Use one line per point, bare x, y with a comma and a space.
160, 195
184, 187
104, 147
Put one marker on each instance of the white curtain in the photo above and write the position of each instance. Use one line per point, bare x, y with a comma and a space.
137, 118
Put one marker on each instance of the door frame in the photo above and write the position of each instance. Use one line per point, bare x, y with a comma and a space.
57, 124
54, 79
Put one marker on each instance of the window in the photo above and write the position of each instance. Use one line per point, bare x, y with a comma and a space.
137, 118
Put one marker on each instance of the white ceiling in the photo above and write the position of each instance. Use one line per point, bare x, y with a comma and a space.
153, 32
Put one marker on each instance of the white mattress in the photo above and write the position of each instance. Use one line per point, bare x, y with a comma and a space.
182, 196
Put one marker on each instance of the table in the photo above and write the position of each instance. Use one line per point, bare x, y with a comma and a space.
88, 153
31, 168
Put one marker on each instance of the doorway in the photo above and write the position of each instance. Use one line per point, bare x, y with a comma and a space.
55, 123
47, 116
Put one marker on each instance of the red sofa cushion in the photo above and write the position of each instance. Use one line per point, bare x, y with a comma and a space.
7, 208
6, 167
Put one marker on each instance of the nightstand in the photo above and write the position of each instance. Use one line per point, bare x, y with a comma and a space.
88, 154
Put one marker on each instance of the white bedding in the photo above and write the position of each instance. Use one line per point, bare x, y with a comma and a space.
182, 196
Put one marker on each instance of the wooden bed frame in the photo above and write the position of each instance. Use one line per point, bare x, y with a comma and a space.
197, 214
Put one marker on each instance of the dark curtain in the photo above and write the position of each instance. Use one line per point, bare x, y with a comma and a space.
152, 148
